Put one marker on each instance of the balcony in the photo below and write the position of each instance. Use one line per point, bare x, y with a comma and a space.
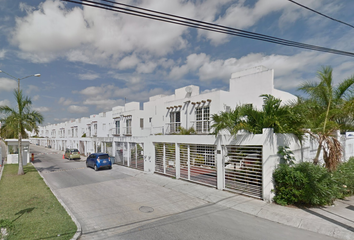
173, 127
115, 131
202, 126
127, 131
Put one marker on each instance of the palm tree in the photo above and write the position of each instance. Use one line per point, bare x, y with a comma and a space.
282, 118
328, 109
17, 120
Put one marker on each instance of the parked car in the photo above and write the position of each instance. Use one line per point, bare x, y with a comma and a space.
99, 160
72, 153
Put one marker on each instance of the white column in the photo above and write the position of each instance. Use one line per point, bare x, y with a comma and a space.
178, 161
269, 160
189, 162
164, 158
220, 178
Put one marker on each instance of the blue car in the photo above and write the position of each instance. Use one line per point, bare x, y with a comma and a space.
99, 160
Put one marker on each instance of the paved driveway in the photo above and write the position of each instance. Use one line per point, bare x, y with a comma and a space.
124, 203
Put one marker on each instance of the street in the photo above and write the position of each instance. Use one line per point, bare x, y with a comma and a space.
124, 203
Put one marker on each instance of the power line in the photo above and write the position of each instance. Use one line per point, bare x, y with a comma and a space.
321, 14
174, 19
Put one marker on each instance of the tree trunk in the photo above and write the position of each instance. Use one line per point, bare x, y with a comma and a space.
315, 160
20, 164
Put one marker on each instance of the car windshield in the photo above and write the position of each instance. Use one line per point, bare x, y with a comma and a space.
74, 151
103, 156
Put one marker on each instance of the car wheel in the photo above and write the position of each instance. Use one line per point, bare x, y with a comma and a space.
96, 169
110, 167
87, 164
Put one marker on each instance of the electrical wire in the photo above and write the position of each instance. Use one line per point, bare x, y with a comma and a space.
321, 14
174, 19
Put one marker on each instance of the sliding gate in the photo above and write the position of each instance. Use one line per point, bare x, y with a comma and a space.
198, 164
137, 156
165, 158
243, 170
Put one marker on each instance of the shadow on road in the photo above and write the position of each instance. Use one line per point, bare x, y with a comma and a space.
48, 169
350, 228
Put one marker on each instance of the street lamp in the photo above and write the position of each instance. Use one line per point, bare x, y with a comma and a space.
19, 79
20, 170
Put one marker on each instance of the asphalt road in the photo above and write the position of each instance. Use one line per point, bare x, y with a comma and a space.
121, 204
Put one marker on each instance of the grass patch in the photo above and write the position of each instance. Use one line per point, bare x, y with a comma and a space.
30, 209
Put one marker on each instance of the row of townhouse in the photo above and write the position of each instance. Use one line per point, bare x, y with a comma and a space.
145, 138
162, 114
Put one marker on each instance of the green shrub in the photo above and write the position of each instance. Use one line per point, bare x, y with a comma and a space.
8, 225
288, 185
304, 183
344, 177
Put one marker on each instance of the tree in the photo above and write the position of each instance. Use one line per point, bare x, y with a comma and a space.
20, 119
282, 118
328, 108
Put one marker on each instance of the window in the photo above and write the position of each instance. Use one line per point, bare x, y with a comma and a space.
141, 123
128, 123
95, 129
175, 121
103, 126
202, 115
117, 130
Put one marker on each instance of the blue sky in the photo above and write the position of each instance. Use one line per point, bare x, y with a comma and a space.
91, 60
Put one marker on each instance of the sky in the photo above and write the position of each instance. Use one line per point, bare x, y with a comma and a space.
91, 60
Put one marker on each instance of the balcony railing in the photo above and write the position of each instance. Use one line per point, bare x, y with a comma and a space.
173, 127
127, 131
115, 131
202, 126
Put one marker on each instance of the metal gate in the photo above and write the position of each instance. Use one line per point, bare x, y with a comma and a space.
165, 155
137, 156
198, 164
119, 159
243, 170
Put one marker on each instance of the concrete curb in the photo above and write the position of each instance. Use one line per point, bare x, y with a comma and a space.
78, 225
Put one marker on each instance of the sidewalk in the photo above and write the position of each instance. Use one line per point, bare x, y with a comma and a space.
335, 221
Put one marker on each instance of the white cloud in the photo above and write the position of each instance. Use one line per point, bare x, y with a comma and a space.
7, 84
146, 67
93, 35
77, 109
5, 103
65, 101
2, 53
289, 71
128, 62
31, 88
105, 97
192, 63
41, 109
88, 76
35, 98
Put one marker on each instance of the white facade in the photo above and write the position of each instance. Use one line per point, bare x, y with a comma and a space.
132, 135
186, 108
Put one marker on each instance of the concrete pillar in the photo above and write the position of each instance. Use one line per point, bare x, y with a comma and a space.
219, 164
114, 149
178, 161
189, 161
149, 156
164, 158
269, 160
128, 154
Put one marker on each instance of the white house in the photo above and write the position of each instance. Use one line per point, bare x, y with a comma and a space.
144, 138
